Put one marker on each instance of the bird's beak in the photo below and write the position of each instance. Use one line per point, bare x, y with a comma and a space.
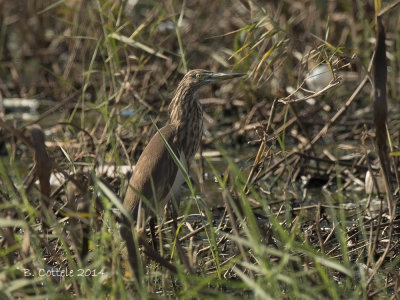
223, 76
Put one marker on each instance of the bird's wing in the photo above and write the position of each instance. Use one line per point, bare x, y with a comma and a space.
155, 171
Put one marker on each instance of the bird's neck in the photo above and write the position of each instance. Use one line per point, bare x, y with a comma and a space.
182, 106
186, 114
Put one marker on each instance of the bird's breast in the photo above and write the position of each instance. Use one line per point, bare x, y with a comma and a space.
176, 187
190, 131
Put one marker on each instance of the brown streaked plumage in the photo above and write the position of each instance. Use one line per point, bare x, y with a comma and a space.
153, 170
156, 176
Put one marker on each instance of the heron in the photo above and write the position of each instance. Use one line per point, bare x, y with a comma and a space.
156, 177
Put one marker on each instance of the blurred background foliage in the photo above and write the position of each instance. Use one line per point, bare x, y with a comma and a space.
110, 67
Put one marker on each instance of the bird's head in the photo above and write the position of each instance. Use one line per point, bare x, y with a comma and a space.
195, 79
185, 95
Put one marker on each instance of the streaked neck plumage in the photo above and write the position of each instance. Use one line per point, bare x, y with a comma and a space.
186, 114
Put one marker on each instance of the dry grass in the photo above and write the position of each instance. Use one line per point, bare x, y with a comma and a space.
104, 71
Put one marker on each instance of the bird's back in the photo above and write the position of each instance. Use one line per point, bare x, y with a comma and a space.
155, 171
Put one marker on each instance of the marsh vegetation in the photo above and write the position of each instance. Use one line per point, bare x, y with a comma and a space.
293, 193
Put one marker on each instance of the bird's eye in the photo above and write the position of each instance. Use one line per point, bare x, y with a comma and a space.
198, 75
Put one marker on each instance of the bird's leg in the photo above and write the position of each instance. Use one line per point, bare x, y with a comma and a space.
139, 212
152, 226
133, 253
133, 249
181, 253
141, 225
